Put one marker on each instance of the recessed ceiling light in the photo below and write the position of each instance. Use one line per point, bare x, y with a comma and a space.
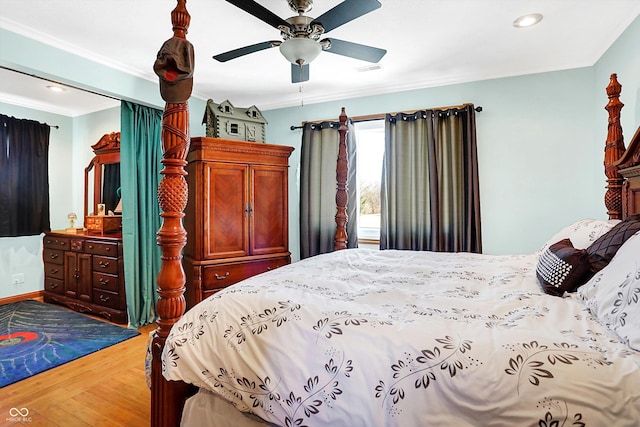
527, 20
55, 88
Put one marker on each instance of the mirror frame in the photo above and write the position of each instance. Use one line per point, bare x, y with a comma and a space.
107, 151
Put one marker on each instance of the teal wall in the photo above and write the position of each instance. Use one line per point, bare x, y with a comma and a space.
540, 143
623, 58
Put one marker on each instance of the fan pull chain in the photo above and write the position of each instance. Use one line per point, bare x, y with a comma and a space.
301, 95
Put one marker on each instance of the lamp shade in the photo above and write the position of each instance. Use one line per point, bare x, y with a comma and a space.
300, 50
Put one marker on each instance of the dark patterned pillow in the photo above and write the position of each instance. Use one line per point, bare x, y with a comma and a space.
562, 268
605, 247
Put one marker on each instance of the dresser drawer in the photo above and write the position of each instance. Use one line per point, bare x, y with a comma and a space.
55, 243
53, 256
105, 281
101, 248
54, 271
53, 285
105, 264
107, 299
215, 277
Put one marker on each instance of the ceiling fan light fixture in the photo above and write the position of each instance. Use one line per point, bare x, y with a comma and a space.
300, 50
527, 20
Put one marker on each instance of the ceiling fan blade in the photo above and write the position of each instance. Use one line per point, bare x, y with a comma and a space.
260, 12
344, 12
299, 74
355, 50
236, 53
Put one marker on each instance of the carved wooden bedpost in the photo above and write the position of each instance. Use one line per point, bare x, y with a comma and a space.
342, 167
614, 148
175, 57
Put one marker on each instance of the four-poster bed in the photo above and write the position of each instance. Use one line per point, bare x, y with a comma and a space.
373, 348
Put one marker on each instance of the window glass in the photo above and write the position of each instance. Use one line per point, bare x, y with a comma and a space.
370, 149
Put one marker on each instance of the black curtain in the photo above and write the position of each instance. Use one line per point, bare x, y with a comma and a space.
24, 177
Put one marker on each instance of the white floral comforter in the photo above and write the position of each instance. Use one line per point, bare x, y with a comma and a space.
399, 338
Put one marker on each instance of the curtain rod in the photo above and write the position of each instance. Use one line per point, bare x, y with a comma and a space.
358, 119
46, 124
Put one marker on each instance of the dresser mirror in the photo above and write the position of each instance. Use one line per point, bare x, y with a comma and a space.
102, 177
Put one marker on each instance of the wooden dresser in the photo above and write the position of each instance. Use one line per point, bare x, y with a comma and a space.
86, 273
237, 214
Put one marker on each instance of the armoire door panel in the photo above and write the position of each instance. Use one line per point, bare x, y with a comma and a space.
226, 232
269, 222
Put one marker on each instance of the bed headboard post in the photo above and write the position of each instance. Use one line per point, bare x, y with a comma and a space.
342, 167
613, 150
172, 198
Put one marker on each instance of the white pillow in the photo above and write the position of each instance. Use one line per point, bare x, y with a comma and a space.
613, 294
582, 233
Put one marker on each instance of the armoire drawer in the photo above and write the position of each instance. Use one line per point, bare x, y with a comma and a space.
215, 277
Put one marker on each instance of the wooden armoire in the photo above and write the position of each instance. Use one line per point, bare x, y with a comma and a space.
237, 214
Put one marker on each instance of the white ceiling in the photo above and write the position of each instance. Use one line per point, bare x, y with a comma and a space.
429, 43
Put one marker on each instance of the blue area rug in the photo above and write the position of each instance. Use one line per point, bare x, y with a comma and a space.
35, 337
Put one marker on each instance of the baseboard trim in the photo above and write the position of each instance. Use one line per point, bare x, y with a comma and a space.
37, 295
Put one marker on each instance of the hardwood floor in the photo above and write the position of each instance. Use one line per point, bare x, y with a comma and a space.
106, 388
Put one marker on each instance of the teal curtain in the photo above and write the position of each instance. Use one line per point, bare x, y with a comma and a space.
140, 155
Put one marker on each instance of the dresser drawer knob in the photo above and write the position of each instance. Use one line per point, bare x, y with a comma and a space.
104, 282
104, 298
53, 285
218, 277
53, 256
103, 264
54, 270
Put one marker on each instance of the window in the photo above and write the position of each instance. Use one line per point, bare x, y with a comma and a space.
370, 149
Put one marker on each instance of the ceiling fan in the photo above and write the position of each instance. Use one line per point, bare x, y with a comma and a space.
301, 34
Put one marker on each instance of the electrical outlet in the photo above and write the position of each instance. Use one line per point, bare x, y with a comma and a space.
17, 279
